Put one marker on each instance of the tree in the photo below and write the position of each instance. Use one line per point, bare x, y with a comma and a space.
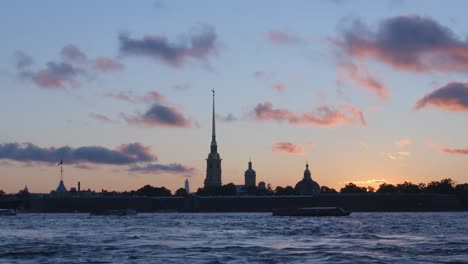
2, 193
387, 188
288, 190
325, 189
408, 187
445, 186
353, 188
149, 190
181, 192
370, 189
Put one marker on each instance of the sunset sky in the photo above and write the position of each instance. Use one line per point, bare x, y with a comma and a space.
365, 91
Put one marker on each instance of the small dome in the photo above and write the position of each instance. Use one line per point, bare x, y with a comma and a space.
307, 186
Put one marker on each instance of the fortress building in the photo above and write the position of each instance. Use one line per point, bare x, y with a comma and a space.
307, 186
213, 162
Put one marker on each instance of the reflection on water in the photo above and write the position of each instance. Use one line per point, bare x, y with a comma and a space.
234, 238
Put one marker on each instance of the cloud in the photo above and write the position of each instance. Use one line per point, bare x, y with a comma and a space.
451, 97
280, 87
70, 71
446, 150
463, 152
398, 155
371, 181
105, 64
281, 37
158, 115
199, 46
123, 155
228, 118
322, 116
288, 148
128, 96
365, 79
102, 118
403, 142
22, 60
407, 43
73, 54
57, 75
259, 74
157, 168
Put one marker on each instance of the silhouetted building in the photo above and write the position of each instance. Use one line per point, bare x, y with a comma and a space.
307, 186
249, 176
213, 162
187, 186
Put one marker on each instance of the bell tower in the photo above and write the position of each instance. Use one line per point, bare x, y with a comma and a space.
213, 162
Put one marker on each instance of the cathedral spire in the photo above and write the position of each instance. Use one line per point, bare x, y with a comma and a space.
213, 133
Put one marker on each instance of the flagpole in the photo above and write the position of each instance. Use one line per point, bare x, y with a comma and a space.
61, 171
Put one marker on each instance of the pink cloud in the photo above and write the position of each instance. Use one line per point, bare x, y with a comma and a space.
259, 74
463, 152
451, 151
277, 36
105, 64
365, 79
288, 148
322, 116
280, 87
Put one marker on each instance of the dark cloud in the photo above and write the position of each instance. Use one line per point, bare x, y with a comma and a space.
73, 68
158, 115
410, 43
451, 97
123, 155
57, 75
71, 53
199, 46
288, 148
157, 168
322, 116
227, 118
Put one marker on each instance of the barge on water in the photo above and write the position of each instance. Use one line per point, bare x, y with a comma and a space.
311, 211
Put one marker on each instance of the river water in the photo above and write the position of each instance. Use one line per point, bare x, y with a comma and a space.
234, 238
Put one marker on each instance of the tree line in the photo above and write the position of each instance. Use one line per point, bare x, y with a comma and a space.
444, 186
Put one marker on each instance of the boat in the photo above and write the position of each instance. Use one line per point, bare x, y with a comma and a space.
311, 211
115, 212
7, 212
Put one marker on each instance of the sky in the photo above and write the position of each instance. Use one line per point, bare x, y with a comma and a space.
368, 92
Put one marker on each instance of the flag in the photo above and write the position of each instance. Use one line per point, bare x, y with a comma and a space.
60, 163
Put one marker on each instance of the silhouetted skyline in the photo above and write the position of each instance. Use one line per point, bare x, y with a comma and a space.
367, 92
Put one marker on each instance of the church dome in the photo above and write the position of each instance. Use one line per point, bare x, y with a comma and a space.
307, 186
